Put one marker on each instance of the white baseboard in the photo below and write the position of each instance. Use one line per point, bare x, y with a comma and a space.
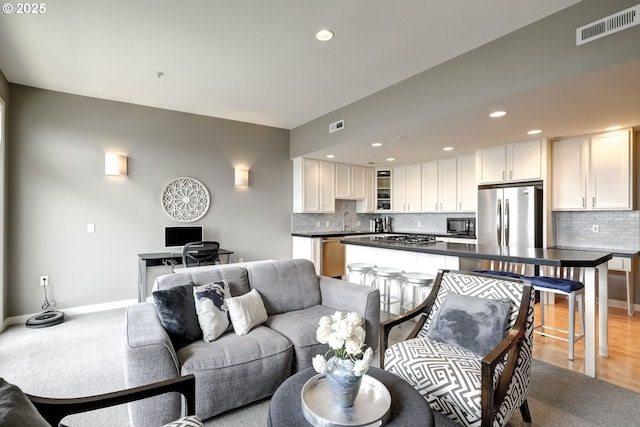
16, 320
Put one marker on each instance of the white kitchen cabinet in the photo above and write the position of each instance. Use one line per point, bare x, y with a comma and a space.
313, 186
308, 248
593, 172
521, 161
406, 188
467, 193
430, 191
383, 190
447, 185
344, 183
350, 182
610, 171
368, 203
569, 167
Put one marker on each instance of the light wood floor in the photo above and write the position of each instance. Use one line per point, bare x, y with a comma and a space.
622, 367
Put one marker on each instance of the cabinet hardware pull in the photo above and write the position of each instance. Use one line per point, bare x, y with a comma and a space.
593, 201
511, 174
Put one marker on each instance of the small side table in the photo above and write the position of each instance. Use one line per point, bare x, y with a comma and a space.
408, 407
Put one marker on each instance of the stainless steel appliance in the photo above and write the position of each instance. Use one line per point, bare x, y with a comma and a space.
386, 224
333, 264
466, 226
378, 225
510, 215
413, 239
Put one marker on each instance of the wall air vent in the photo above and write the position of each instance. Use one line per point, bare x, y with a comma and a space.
609, 25
336, 126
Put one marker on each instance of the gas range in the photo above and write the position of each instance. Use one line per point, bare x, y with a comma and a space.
417, 239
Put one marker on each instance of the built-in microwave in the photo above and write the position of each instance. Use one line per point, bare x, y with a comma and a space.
466, 226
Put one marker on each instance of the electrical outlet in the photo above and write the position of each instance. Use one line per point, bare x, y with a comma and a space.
240, 259
44, 280
358, 223
419, 223
326, 224
317, 224
595, 228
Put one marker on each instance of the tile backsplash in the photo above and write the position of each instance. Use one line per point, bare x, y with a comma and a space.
616, 229
409, 223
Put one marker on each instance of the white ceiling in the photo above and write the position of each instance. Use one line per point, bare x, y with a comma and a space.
255, 61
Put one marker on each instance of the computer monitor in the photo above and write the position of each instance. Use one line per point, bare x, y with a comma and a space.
177, 237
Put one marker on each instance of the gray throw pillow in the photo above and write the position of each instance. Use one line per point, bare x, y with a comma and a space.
473, 323
16, 409
176, 309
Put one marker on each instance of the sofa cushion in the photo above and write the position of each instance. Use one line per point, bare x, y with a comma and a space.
211, 306
300, 327
224, 369
235, 276
246, 311
286, 285
177, 312
16, 409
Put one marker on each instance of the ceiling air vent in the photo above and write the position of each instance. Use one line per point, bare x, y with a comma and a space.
609, 25
336, 126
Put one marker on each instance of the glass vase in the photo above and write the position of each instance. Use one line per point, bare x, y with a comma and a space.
343, 383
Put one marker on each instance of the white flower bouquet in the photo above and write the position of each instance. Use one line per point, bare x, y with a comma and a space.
345, 336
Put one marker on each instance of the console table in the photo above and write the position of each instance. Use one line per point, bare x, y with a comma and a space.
162, 258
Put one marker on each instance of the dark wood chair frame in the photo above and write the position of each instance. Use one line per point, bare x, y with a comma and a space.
511, 344
54, 410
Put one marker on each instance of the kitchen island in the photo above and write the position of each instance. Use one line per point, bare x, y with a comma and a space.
430, 257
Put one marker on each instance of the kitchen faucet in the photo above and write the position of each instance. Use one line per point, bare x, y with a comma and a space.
347, 217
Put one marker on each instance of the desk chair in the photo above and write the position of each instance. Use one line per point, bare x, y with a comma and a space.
200, 253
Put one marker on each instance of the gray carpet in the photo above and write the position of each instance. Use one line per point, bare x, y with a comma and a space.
84, 355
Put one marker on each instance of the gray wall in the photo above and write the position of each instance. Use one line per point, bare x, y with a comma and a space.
537, 55
57, 186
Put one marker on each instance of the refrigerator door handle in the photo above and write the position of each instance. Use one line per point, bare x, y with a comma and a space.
506, 222
499, 222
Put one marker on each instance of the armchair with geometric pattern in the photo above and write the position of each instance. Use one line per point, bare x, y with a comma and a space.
469, 353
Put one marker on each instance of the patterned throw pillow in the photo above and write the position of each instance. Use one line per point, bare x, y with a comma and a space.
211, 307
473, 323
190, 421
247, 311
176, 309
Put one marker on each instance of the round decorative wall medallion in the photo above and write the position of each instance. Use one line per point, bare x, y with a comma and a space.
185, 199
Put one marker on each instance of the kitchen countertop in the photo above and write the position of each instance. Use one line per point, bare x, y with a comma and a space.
619, 253
312, 234
535, 256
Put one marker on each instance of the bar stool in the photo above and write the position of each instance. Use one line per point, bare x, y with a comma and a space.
360, 268
383, 277
417, 282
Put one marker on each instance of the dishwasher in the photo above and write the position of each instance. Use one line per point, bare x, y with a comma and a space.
332, 257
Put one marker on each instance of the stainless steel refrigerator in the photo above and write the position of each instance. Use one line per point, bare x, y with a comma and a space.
510, 215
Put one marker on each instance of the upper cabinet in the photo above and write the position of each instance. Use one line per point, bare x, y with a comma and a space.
350, 181
313, 186
467, 190
368, 203
520, 161
448, 185
406, 188
593, 172
383, 190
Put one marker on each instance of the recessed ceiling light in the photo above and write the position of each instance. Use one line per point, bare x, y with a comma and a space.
614, 128
498, 114
391, 159
447, 148
534, 132
330, 156
324, 35
377, 144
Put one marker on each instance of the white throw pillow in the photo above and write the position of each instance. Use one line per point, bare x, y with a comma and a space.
211, 306
247, 311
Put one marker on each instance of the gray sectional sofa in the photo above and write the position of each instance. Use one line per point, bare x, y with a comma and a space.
233, 370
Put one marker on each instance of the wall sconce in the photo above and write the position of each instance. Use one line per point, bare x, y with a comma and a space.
115, 164
242, 177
